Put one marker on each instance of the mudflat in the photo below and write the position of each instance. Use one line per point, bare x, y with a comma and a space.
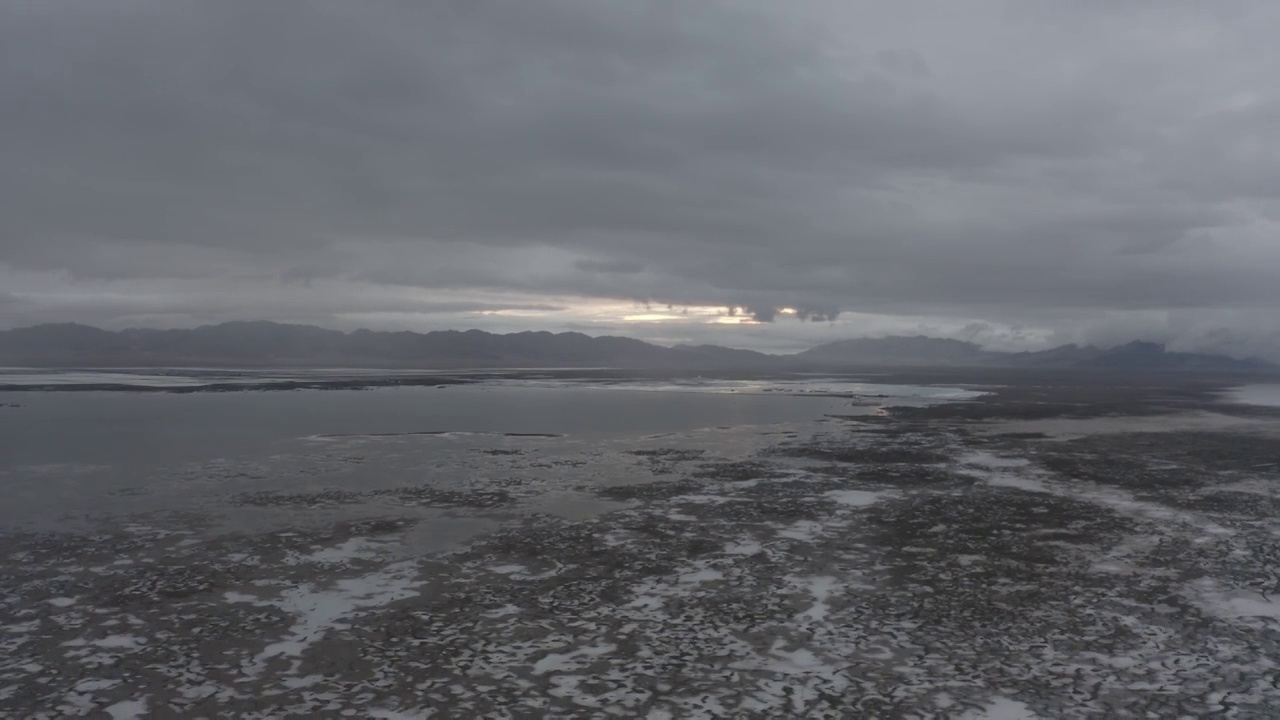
1050, 545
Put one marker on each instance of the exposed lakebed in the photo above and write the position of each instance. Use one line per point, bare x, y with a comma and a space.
583, 550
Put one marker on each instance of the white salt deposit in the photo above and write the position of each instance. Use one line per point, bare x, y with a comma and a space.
380, 714
803, 530
93, 685
319, 611
855, 498
821, 587
564, 662
703, 575
982, 458
743, 548
1000, 708
121, 642
127, 709
353, 549
1235, 605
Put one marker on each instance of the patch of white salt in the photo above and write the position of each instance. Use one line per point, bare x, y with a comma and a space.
821, 588
982, 458
353, 549
743, 548
703, 575
855, 498
710, 499
560, 662
1000, 708
92, 685
503, 611
121, 642
803, 530
127, 709
319, 611
380, 714
1235, 605
1020, 482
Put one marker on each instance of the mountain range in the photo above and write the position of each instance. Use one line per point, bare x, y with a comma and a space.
268, 344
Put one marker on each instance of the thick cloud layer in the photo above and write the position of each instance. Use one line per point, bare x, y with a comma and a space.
1017, 172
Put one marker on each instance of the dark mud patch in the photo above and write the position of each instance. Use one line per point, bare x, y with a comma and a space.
740, 471
1161, 462
652, 490
1230, 504
864, 456
417, 496
319, 499
670, 454
665, 461
440, 498
532, 435
781, 507
1006, 523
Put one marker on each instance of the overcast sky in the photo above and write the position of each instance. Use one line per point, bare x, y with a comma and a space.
1016, 173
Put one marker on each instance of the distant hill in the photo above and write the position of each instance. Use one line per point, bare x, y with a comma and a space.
262, 344
923, 351
1153, 356
914, 351
268, 344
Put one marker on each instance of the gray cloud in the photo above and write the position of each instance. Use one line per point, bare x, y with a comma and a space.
1039, 168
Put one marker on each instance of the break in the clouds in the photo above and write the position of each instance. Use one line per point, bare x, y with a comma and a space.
1017, 173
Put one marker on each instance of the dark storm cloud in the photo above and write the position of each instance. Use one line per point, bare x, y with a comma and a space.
1022, 162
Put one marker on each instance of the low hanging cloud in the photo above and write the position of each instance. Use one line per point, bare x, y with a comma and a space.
1052, 170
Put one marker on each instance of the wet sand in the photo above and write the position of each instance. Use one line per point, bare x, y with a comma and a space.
1057, 548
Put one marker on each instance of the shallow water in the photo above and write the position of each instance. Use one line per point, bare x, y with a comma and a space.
132, 429
1268, 395
68, 456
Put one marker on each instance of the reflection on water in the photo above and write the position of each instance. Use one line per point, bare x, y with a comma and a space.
896, 394
263, 457
1268, 395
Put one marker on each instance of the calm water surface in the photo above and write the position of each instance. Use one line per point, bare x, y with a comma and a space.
67, 455
1263, 394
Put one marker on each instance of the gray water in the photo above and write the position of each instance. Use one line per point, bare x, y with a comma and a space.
1262, 394
83, 456
143, 429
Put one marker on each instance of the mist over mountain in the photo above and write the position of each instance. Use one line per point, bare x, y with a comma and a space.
265, 344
